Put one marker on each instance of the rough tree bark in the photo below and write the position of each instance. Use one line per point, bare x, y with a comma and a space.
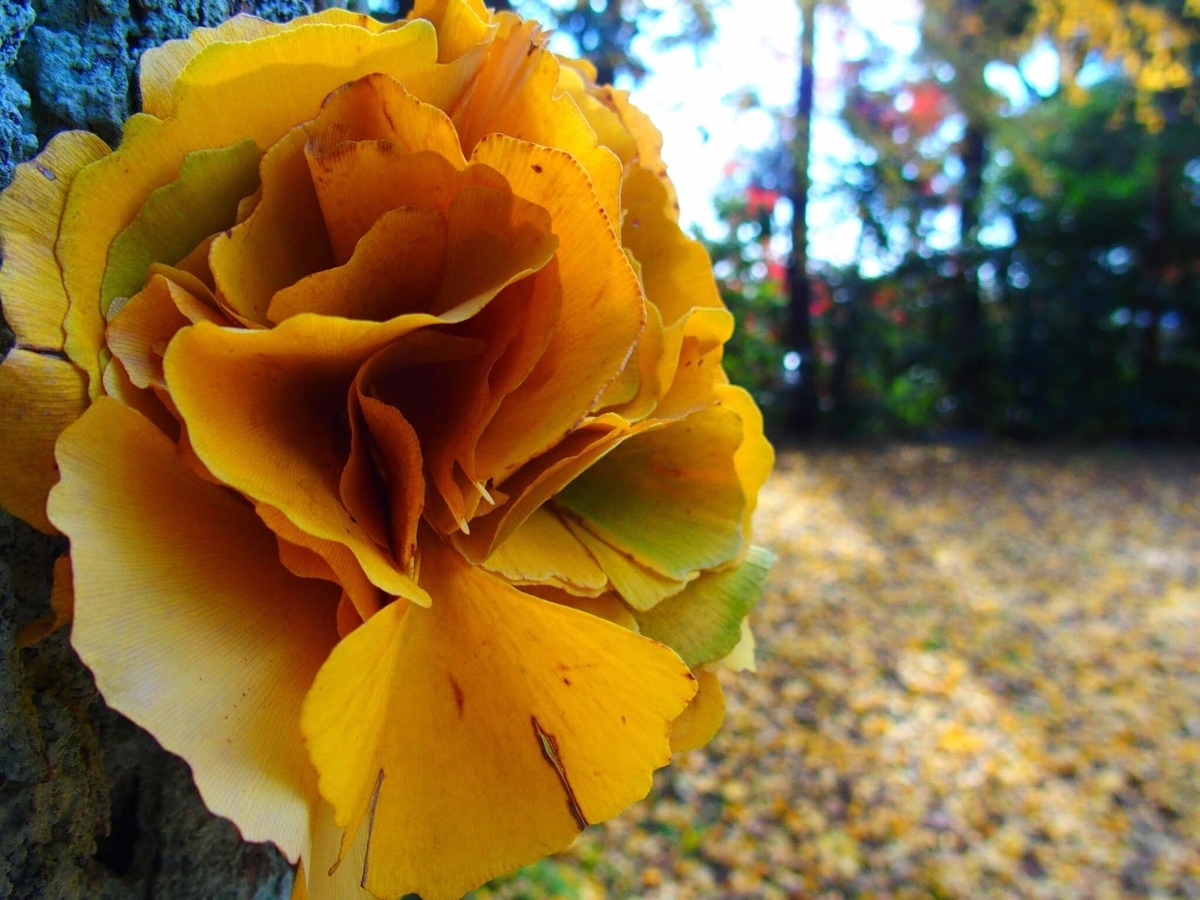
90, 805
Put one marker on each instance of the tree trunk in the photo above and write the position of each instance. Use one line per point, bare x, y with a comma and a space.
848, 319
1157, 263
93, 807
967, 381
606, 72
803, 418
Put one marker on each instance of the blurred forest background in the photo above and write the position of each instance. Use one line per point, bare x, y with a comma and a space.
1022, 253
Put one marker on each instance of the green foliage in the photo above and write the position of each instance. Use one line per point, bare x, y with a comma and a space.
1096, 306
1089, 308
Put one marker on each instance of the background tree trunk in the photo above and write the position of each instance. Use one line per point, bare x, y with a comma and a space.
91, 806
803, 418
1158, 261
967, 381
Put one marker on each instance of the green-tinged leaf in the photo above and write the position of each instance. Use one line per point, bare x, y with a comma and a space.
704, 622
668, 499
175, 218
639, 587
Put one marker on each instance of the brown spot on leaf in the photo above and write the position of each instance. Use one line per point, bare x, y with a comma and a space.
370, 832
548, 744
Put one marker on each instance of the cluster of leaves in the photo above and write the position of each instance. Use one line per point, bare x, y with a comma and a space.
966, 694
1151, 42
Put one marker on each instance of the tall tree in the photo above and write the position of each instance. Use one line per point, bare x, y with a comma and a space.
969, 34
803, 418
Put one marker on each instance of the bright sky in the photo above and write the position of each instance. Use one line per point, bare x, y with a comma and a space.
756, 50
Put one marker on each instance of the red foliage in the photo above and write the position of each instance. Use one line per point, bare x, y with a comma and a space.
884, 297
760, 200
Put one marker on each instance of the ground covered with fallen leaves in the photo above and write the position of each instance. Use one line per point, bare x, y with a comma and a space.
979, 676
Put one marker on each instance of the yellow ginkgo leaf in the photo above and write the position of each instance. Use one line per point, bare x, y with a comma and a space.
40, 395
180, 597
31, 211
703, 716
485, 731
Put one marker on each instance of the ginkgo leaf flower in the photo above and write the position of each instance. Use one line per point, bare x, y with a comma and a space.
380, 397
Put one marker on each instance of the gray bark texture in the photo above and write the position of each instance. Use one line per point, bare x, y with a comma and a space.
90, 805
